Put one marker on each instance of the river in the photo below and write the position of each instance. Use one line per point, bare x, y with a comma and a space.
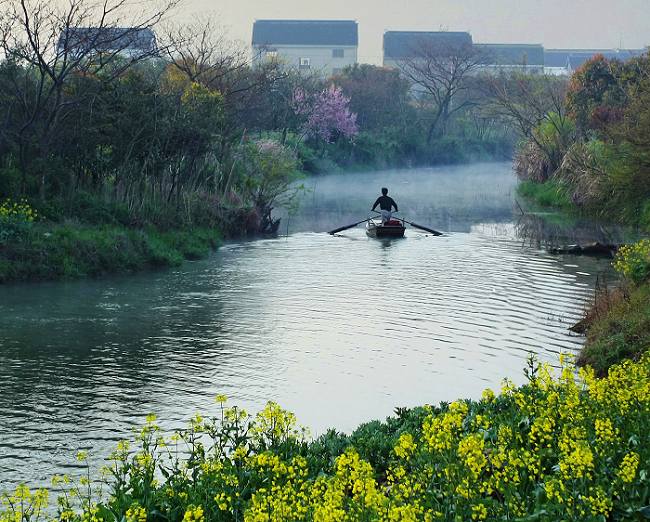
339, 329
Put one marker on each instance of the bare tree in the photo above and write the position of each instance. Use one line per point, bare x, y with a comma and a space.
202, 51
440, 70
48, 46
525, 101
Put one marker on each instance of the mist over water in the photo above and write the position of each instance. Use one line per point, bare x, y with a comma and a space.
446, 198
339, 329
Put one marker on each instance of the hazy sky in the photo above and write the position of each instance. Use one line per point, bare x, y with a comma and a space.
554, 23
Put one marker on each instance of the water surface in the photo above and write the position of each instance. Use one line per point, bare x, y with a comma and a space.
339, 329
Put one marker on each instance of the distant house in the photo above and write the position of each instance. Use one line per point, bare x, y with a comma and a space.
566, 61
527, 58
323, 46
400, 46
126, 41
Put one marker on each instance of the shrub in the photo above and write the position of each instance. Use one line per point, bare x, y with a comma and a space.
633, 261
552, 193
622, 332
564, 446
16, 218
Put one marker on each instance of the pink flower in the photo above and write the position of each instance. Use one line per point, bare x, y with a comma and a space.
326, 114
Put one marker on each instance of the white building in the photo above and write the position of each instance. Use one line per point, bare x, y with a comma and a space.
563, 62
322, 46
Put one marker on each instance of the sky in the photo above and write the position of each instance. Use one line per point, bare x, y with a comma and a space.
553, 23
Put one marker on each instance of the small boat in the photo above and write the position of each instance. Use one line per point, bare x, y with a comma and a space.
392, 228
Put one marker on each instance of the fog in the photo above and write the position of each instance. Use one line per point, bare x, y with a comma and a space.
449, 198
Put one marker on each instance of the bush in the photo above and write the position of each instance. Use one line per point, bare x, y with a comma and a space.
622, 332
72, 250
16, 218
552, 193
633, 261
564, 446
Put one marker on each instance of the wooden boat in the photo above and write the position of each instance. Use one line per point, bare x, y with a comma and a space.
392, 228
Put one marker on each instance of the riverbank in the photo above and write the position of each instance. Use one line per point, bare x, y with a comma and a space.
49, 251
616, 324
618, 327
562, 446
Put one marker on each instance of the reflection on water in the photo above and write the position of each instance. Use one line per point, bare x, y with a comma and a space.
338, 329
547, 230
444, 198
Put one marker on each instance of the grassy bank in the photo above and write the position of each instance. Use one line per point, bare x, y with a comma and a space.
618, 323
551, 194
620, 328
564, 446
49, 251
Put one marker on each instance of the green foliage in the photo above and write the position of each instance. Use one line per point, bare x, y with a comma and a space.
633, 261
10, 180
53, 251
552, 193
603, 158
624, 331
16, 219
595, 89
564, 446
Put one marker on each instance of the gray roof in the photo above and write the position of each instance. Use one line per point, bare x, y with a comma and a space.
107, 39
305, 32
576, 57
404, 44
512, 54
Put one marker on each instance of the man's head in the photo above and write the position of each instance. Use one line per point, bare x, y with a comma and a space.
384, 191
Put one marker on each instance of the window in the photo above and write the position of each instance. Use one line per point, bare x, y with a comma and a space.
271, 55
338, 53
305, 63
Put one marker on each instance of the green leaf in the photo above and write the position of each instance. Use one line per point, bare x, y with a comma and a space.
644, 512
533, 516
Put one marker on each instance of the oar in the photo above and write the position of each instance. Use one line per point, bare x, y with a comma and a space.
341, 229
430, 230
426, 229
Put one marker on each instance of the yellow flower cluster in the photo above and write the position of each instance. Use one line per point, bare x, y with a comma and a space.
193, 514
565, 446
136, 513
405, 446
633, 261
19, 211
627, 470
559, 433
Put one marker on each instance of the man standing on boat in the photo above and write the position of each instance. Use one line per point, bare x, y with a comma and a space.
386, 204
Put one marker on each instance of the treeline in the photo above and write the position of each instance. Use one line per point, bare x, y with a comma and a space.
592, 148
191, 134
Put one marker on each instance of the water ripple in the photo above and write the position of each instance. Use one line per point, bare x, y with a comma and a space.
338, 329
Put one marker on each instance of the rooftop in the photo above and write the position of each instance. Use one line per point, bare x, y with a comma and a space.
305, 32
404, 44
107, 39
576, 57
513, 54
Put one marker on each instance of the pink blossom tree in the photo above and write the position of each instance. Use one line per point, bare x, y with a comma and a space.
326, 114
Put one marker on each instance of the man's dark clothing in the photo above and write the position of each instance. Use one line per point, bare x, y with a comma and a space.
385, 203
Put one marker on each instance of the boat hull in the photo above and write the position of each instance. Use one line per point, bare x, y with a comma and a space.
374, 228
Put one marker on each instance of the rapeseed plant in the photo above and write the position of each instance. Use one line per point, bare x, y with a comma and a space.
564, 446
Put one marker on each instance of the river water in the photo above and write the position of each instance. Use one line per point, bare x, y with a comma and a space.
339, 329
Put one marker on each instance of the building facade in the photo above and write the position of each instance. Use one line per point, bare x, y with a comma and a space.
321, 46
564, 62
